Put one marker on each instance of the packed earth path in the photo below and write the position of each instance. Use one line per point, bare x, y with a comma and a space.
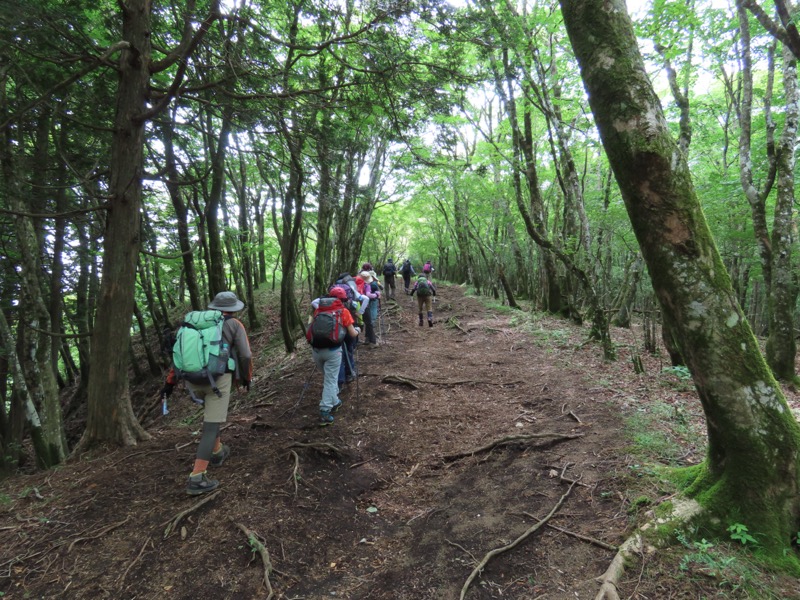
452, 444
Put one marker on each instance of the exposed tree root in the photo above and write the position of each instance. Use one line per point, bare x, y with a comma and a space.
682, 511
293, 476
411, 382
400, 380
321, 447
579, 536
608, 580
173, 523
257, 544
512, 439
134, 561
100, 533
492, 553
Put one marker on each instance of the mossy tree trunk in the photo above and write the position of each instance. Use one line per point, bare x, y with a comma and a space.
750, 474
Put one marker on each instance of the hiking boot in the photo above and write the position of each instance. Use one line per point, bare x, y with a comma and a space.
430, 322
217, 458
420, 320
325, 418
200, 484
336, 406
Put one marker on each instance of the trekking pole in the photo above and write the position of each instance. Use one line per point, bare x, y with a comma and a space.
380, 321
302, 393
354, 367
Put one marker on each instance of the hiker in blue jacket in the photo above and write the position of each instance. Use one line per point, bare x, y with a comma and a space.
389, 273
407, 270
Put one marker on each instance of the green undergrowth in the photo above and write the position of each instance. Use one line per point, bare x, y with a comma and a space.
666, 437
715, 559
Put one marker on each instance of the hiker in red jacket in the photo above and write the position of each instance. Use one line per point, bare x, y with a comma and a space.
327, 350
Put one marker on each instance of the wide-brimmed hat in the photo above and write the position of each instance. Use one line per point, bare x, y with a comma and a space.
373, 274
226, 302
365, 276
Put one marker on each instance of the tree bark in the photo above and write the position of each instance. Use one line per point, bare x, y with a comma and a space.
750, 474
110, 417
781, 348
181, 215
34, 353
218, 151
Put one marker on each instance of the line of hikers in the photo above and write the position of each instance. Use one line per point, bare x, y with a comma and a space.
334, 329
211, 351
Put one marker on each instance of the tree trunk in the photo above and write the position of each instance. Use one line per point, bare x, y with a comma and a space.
110, 416
781, 346
750, 474
181, 217
82, 310
46, 454
624, 302
216, 275
34, 356
245, 249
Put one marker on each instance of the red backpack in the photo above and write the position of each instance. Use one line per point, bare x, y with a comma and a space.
326, 329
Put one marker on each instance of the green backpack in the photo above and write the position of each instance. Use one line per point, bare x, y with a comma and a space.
423, 287
199, 354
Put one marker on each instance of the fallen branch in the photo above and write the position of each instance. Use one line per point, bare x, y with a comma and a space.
100, 533
512, 439
492, 553
453, 322
173, 523
257, 544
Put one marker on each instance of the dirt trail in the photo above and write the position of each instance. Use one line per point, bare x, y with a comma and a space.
388, 503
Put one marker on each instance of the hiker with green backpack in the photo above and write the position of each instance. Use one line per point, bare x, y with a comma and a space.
425, 291
212, 355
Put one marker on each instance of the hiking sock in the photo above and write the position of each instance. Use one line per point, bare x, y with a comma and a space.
217, 446
200, 466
